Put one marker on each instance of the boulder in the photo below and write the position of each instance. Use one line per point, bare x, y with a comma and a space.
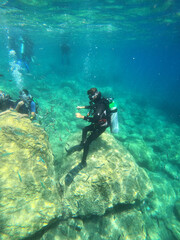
161, 203
177, 208
111, 177
28, 195
103, 199
158, 211
120, 225
142, 153
30, 199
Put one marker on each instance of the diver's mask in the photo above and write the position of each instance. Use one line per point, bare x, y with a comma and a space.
92, 97
25, 98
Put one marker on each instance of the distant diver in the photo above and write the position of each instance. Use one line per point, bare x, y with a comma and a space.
6, 101
23, 48
26, 49
20, 55
26, 104
65, 51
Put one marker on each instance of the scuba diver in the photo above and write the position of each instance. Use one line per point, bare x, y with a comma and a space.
20, 51
26, 104
6, 101
65, 51
23, 49
26, 51
99, 117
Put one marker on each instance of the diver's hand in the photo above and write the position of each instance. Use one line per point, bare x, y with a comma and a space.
80, 107
33, 115
20, 103
78, 115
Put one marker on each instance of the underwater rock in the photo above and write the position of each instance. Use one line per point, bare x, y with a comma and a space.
164, 196
120, 225
28, 196
172, 171
111, 177
174, 227
177, 209
143, 154
158, 211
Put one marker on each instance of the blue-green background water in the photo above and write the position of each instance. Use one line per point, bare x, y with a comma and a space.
126, 44
128, 49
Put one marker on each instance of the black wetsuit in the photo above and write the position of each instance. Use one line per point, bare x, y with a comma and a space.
27, 107
100, 120
7, 104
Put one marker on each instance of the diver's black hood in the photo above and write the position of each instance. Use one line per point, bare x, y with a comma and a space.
97, 99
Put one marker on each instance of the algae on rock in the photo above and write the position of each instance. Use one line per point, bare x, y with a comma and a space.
29, 198
111, 177
102, 201
28, 195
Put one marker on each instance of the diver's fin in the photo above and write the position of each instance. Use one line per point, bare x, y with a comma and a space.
73, 173
26, 66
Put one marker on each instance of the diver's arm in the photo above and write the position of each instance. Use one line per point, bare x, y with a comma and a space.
33, 115
33, 110
89, 119
97, 114
80, 107
83, 107
19, 105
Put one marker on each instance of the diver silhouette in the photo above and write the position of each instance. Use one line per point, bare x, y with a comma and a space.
65, 51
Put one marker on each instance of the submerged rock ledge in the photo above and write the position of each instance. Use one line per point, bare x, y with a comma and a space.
31, 200
28, 194
111, 177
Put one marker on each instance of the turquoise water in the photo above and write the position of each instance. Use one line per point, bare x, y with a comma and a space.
128, 49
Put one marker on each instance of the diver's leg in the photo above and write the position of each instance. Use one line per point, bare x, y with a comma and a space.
79, 147
73, 149
95, 134
73, 173
85, 131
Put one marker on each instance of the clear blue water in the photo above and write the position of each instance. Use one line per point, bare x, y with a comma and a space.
128, 44
125, 47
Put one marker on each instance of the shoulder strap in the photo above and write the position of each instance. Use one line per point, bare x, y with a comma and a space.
106, 102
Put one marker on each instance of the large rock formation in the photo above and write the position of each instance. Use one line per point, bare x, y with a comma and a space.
110, 187
28, 196
111, 177
128, 224
102, 201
